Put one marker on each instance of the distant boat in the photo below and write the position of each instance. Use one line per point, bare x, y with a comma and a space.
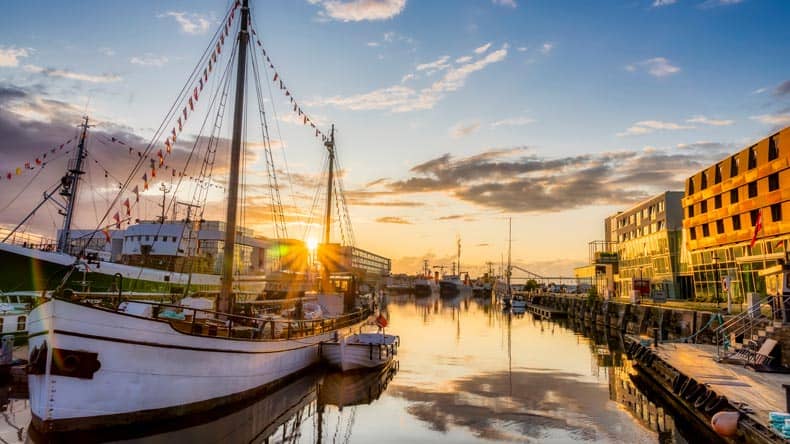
451, 285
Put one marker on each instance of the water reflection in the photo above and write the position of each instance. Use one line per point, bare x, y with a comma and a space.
467, 371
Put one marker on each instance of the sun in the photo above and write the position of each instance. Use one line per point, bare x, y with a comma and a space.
312, 244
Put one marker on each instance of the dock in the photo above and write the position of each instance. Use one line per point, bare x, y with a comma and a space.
752, 393
546, 312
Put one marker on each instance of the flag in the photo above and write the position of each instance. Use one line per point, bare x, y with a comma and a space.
180, 126
161, 158
205, 78
9, 175
106, 234
210, 65
276, 76
174, 135
168, 145
136, 192
195, 94
145, 181
117, 217
18, 171
153, 172
191, 104
219, 50
757, 227
185, 114
381, 321
38, 161
27, 166
128, 206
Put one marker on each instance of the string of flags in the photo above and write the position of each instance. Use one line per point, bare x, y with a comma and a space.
280, 83
39, 160
158, 161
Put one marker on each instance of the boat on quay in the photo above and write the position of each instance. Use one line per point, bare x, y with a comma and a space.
97, 361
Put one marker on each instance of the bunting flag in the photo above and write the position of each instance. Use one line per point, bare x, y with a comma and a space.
161, 158
117, 218
191, 104
145, 181
136, 192
758, 226
174, 135
153, 172
195, 94
275, 76
205, 78
185, 114
168, 145
128, 207
106, 233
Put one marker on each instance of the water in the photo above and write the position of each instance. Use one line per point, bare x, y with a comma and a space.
465, 372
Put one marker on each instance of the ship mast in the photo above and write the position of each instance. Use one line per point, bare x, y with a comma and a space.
330, 147
69, 185
224, 303
509, 244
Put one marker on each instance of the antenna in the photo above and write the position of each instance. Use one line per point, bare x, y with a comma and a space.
165, 190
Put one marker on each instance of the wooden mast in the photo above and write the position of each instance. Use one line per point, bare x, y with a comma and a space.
69, 186
224, 303
330, 146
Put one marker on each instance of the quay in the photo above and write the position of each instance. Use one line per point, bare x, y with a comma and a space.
675, 350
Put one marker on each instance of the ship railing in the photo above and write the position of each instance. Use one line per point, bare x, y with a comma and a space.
204, 322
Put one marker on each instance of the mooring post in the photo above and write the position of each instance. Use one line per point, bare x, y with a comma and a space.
655, 337
787, 397
7, 354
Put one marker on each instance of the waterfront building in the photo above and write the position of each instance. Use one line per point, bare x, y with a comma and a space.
722, 206
601, 269
367, 266
650, 249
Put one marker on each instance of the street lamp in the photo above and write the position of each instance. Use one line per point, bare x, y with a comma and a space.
715, 260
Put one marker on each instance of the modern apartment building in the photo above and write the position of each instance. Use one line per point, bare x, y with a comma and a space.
722, 205
650, 248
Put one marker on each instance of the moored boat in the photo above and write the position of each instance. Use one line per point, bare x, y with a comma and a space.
360, 350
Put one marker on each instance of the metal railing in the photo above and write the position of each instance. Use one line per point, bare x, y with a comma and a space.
744, 325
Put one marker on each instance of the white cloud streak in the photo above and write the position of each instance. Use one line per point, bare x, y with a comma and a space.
649, 126
656, 67
712, 122
773, 119
9, 57
149, 60
460, 130
359, 10
513, 121
190, 23
66, 74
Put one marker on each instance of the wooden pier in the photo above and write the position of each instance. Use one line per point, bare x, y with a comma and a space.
546, 312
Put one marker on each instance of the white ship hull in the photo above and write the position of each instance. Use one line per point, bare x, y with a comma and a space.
370, 352
147, 370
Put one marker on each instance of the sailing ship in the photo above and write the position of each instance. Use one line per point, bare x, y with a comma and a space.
97, 361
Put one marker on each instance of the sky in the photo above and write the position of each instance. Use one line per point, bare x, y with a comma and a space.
451, 116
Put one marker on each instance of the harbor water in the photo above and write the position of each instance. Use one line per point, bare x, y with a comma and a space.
466, 371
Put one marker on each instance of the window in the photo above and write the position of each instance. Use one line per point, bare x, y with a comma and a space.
720, 226
753, 189
705, 230
691, 185
773, 150
717, 176
752, 158
21, 323
704, 181
717, 201
773, 182
734, 166
703, 207
776, 212
156, 238
734, 196
753, 216
691, 210
736, 222
693, 233
148, 238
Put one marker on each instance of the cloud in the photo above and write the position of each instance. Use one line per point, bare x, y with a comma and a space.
66, 74
359, 10
393, 220
513, 121
9, 57
190, 23
406, 78
460, 130
783, 89
649, 126
515, 180
777, 120
508, 3
715, 3
659, 3
521, 49
712, 122
109, 52
452, 217
463, 59
546, 48
656, 67
400, 98
483, 48
149, 60
437, 65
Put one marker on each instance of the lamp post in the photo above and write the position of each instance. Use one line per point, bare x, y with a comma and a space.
715, 260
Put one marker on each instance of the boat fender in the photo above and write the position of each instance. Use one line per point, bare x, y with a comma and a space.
725, 423
714, 406
688, 387
38, 360
691, 395
704, 398
678, 382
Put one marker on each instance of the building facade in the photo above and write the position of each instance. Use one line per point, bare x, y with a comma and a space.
722, 206
650, 248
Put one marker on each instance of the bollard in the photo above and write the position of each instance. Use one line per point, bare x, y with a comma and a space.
7, 354
655, 337
787, 396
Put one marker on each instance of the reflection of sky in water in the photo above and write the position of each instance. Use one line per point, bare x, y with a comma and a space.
467, 373
460, 382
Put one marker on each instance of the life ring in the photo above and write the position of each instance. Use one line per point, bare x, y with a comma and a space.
678, 382
703, 399
691, 395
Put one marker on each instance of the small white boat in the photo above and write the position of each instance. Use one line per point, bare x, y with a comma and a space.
360, 350
518, 301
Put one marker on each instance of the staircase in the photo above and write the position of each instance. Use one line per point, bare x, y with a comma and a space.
749, 328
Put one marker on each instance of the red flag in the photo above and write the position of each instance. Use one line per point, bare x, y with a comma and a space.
276, 76
185, 114
161, 158
136, 192
153, 172
9, 176
38, 161
757, 227
168, 145
117, 218
180, 126
106, 234
210, 65
381, 321
27, 166
128, 206
219, 50
195, 94
205, 78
